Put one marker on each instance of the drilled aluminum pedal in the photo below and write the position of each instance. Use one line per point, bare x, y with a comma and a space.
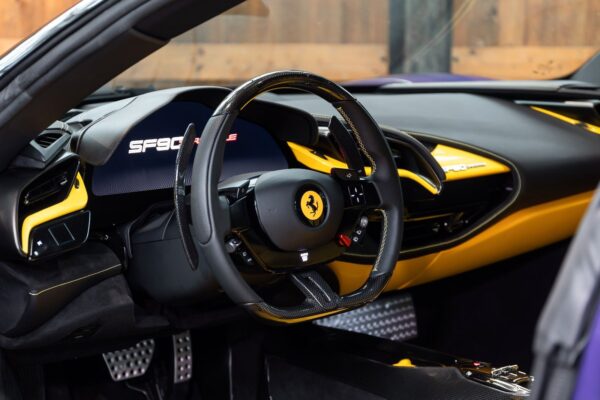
131, 362
182, 353
390, 318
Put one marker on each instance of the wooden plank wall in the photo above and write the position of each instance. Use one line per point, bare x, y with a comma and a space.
20, 18
348, 39
524, 39
351, 44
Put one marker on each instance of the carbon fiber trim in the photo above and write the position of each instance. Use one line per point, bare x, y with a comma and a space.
302, 80
181, 212
312, 307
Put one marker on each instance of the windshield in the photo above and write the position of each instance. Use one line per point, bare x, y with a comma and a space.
373, 41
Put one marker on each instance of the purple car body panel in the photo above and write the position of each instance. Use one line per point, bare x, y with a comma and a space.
412, 78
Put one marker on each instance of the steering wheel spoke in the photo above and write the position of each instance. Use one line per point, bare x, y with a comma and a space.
317, 291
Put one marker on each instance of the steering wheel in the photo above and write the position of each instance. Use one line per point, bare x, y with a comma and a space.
289, 221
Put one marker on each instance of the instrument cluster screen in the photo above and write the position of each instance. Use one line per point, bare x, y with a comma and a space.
145, 159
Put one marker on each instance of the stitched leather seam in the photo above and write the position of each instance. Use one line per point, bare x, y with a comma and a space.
372, 161
383, 240
358, 138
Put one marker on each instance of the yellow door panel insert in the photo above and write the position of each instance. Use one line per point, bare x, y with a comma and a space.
75, 201
518, 233
590, 127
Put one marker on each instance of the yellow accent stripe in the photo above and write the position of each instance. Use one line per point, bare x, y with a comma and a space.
518, 233
75, 201
37, 293
458, 164
592, 128
270, 317
305, 156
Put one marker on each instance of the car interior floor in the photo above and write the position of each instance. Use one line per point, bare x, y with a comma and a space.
487, 315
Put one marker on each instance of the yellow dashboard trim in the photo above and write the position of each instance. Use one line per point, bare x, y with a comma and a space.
458, 164
324, 163
589, 127
75, 201
518, 233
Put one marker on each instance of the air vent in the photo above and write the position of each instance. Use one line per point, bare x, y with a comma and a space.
50, 188
43, 189
47, 138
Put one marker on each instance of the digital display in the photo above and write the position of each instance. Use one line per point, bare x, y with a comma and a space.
145, 159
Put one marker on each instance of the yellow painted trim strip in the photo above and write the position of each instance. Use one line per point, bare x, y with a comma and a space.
406, 174
305, 156
458, 164
75, 201
590, 127
270, 317
37, 293
518, 233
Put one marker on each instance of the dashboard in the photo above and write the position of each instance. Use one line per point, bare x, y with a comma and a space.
98, 187
121, 159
